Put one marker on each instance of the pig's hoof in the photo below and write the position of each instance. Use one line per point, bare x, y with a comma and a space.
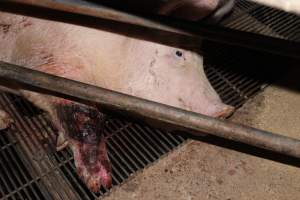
5, 120
61, 142
226, 112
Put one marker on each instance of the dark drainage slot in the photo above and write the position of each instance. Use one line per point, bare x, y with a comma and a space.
24, 107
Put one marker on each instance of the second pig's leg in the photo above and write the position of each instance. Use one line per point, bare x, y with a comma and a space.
46, 103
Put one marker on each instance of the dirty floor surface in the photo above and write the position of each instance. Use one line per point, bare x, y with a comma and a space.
202, 170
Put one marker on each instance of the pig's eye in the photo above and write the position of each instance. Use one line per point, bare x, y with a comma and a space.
179, 53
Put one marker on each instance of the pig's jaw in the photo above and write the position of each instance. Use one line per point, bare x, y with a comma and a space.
84, 126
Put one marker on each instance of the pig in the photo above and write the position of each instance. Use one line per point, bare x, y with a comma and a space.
292, 6
210, 10
195, 10
152, 71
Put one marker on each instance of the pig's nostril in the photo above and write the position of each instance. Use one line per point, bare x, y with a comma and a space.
179, 53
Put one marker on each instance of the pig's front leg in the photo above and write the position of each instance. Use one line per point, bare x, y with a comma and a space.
5, 120
62, 140
47, 103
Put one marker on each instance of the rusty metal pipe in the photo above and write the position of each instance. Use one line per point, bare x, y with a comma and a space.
151, 110
196, 32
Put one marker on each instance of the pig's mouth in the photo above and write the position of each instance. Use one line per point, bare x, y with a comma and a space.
84, 125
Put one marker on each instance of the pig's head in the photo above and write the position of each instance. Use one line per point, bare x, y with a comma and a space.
84, 127
172, 76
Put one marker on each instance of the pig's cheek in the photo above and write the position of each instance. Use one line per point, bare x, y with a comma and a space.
174, 61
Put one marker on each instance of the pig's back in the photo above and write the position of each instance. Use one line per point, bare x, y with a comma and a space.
66, 50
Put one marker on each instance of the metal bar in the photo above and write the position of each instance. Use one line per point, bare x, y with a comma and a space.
196, 32
124, 145
126, 159
16, 164
116, 175
69, 173
166, 143
145, 154
11, 177
117, 159
166, 138
7, 145
151, 110
18, 184
154, 147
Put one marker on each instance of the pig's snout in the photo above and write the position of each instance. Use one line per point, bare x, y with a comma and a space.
225, 112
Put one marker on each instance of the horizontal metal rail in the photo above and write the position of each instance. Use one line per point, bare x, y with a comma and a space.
149, 110
86, 13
